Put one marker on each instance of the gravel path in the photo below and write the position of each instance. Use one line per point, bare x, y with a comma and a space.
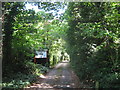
57, 79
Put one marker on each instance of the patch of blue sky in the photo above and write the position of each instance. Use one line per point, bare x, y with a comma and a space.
60, 11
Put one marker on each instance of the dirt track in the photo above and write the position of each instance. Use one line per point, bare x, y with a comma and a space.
58, 78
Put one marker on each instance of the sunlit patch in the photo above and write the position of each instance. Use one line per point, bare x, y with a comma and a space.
58, 65
63, 76
57, 78
62, 86
68, 85
64, 64
45, 85
42, 76
53, 77
33, 86
42, 85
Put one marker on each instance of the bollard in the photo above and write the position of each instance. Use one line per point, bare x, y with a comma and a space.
97, 85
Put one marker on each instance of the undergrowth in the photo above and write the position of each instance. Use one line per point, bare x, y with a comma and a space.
21, 80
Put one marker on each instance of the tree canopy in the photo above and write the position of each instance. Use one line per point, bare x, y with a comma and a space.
93, 38
88, 32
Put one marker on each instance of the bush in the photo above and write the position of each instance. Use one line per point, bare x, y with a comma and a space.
19, 81
110, 80
22, 79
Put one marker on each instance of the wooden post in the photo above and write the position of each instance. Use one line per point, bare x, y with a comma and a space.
97, 85
34, 60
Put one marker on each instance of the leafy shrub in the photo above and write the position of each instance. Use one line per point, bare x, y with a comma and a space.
94, 50
110, 80
20, 79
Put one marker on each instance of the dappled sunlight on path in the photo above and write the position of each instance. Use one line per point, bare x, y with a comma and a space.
59, 77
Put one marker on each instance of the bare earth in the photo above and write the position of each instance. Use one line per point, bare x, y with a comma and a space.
57, 79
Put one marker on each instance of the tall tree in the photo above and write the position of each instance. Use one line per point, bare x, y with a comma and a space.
11, 10
93, 37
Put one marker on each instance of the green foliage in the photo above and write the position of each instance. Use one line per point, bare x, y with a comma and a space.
93, 42
24, 32
91, 33
20, 80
